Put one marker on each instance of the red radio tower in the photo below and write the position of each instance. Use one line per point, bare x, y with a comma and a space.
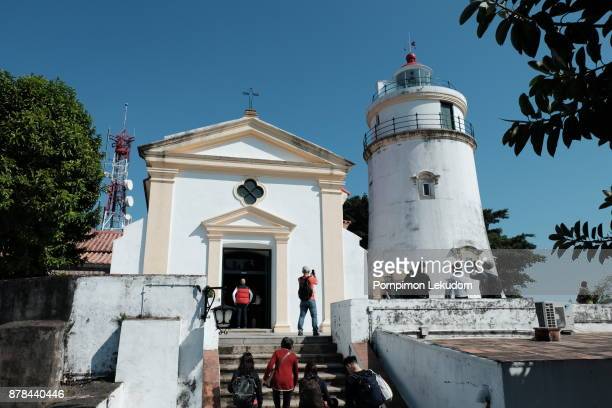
117, 201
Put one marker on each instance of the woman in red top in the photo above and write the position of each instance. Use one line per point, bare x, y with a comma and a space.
282, 373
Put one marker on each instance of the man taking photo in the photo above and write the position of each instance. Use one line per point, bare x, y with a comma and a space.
306, 294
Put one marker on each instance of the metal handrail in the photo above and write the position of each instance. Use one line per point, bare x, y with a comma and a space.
417, 121
410, 83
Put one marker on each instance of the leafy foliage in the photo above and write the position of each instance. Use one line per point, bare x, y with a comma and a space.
356, 211
569, 99
583, 238
602, 293
50, 175
510, 264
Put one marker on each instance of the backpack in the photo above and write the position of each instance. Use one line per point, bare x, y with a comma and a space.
310, 393
384, 388
245, 390
369, 392
305, 291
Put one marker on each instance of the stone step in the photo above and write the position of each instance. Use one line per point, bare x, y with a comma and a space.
260, 367
330, 378
272, 340
261, 348
265, 357
334, 391
226, 402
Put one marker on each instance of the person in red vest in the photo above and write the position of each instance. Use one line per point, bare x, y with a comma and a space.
242, 298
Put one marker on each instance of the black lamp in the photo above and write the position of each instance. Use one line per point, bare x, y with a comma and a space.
222, 314
223, 317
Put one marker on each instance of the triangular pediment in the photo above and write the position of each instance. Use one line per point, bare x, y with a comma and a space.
247, 138
248, 220
251, 146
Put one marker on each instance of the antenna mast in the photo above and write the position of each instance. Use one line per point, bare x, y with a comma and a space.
117, 201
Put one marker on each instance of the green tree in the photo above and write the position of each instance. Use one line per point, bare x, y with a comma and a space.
512, 254
50, 175
569, 99
356, 211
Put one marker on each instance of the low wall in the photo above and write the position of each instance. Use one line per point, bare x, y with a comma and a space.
31, 353
101, 304
427, 375
355, 320
92, 308
48, 298
592, 318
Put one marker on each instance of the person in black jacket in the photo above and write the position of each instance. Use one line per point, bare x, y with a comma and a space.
361, 387
246, 369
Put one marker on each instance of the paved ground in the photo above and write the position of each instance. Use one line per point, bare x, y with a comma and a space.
591, 346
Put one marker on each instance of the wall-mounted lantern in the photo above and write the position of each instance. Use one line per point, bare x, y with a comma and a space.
222, 314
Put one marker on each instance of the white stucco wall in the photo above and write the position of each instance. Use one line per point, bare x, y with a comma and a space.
355, 320
427, 375
251, 147
148, 362
400, 220
128, 250
199, 196
101, 303
592, 318
355, 266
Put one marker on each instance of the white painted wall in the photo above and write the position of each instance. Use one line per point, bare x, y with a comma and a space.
400, 220
355, 266
427, 375
199, 196
148, 362
128, 250
100, 303
354, 320
592, 318
252, 148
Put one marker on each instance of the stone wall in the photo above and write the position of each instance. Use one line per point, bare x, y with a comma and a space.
592, 318
48, 298
81, 324
355, 320
31, 353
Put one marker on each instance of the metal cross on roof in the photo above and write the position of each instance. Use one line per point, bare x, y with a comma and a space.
251, 94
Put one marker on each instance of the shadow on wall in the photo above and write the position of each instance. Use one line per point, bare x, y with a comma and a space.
104, 361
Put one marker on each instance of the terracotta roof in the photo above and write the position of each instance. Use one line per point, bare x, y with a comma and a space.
99, 247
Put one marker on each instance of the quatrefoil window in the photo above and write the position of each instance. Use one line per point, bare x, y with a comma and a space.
249, 191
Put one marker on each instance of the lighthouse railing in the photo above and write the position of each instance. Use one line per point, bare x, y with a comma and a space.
402, 124
411, 82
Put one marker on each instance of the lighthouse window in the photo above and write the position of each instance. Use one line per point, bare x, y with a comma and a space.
446, 116
426, 182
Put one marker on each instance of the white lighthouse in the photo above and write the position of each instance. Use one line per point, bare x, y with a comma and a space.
423, 189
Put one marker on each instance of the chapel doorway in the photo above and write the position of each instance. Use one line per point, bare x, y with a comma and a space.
254, 265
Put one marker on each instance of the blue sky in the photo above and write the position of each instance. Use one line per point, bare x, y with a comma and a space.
184, 65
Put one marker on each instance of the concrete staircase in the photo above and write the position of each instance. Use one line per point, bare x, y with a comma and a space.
320, 350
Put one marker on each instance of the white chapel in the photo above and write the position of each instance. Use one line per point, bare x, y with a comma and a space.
245, 199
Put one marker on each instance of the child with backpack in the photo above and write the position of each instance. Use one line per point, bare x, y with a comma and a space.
364, 388
313, 390
246, 385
